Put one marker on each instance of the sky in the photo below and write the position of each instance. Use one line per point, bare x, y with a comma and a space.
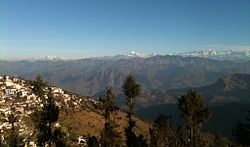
87, 28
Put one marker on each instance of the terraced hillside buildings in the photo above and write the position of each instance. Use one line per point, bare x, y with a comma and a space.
80, 117
17, 98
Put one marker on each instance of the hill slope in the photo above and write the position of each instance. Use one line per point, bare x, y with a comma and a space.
79, 116
231, 88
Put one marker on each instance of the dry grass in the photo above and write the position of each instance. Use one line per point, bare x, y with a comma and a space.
89, 123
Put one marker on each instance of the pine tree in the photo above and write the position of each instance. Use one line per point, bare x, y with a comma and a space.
14, 140
12, 118
131, 90
38, 86
242, 132
153, 137
110, 136
195, 113
44, 120
220, 141
165, 130
92, 142
59, 138
166, 133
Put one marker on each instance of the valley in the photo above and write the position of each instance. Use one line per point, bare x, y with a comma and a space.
156, 74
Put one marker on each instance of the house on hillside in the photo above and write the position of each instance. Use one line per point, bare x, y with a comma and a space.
6, 78
9, 83
82, 141
17, 86
57, 90
24, 93
10, 91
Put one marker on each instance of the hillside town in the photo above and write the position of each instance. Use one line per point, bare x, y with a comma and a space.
18, 100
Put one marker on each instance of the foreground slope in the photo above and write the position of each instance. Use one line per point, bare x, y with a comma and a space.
79, 116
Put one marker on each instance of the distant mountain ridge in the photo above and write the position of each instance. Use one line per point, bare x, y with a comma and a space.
231, 88
240, 54
156, 74
233, 54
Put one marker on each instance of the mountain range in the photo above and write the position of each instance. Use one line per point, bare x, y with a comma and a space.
236, 55
233, 54
224, 84
156, 74
231, 88
228, 98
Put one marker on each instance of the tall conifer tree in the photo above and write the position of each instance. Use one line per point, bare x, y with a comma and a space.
195, 113
131, 90
110, 136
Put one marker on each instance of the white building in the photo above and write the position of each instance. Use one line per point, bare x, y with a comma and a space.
24, 93
9, 83
10, 91
82, 140
57, 90
6, 78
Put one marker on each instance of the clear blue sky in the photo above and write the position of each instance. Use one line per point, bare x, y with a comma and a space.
85, 28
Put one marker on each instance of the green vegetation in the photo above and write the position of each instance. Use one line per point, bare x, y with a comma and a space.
45, 118
38, 86
110, 137
195, 113
131, 90
165, 131
13, 140
242, 132
220, 141
162, 132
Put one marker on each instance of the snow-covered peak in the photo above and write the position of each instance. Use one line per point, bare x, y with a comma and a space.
47, 58
51, 57
237, 54
136, 54
129, 55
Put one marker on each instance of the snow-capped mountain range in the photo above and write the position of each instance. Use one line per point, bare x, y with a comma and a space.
207, 53
52, 57
46, 58
218, 54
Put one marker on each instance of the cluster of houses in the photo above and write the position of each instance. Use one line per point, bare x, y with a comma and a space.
16, 97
